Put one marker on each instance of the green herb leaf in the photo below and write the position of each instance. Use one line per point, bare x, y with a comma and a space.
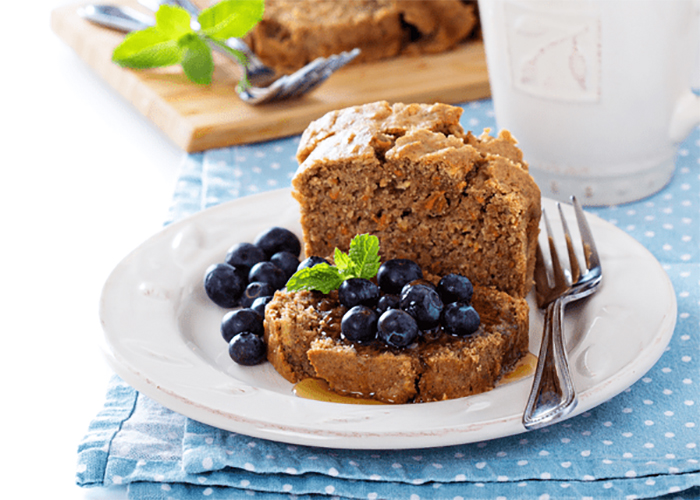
321, 277
231, 18
344, 264
148, 48
364, 253
361, 261
197, 60
173, 21
172, 40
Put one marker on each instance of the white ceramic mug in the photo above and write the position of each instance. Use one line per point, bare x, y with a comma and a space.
597, 92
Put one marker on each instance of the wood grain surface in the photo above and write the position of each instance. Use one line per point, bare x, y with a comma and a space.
198, 117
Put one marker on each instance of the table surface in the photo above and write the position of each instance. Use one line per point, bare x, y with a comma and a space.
64, 239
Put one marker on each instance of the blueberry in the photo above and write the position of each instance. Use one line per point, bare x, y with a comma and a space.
455, 288
241, 320
311, 262
224, 284
417, 282
247, 349
356, 291
395, 273
359, 323
423, 303
397, 328
245, 255
253, 291
278, 239
267, 272
260, 303
387, 302
460, 319
287, 262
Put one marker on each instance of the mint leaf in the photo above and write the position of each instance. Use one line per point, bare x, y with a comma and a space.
321, 277
197, 61
344, 264
361, 261
364, 253
173, 21
172, 40
231, 18
148, 48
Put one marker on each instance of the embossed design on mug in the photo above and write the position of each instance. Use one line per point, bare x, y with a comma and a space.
555, 55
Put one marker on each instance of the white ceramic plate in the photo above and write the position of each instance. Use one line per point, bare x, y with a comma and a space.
161, 335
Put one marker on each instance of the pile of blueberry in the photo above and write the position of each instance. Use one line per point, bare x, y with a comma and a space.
247, 279
402, 305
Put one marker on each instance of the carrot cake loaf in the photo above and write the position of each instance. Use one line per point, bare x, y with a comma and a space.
292, 33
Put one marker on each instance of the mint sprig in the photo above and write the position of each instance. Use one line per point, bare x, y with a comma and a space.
361, 261
173, 40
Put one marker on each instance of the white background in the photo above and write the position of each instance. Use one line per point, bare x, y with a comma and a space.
85, 179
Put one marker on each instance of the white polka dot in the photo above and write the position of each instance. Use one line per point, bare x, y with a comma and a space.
649, 422
249, 467
460, 477
627, 434
396, 465
375, 477
480, 465
502, 478
649, 445
545, 475
287, 487
117, 479
544, 453
208, 463
165, 487
566, 465
587, 477
207, 492
630, 473
372, 496
244, 483
686, 359
586, 453
522, 462
329, 489
290, 470
333, 472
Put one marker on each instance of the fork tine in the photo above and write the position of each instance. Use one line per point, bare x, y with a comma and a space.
573, 260
589, 249
557, 270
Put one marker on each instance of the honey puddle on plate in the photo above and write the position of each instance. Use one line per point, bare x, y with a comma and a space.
318, 390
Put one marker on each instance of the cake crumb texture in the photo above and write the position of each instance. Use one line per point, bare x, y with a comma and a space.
409, 174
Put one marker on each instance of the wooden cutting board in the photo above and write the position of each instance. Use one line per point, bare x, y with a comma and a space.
198, 117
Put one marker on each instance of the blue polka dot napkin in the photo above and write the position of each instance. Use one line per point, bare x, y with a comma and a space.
643, 443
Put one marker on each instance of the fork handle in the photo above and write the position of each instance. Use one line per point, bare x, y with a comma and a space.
552, 395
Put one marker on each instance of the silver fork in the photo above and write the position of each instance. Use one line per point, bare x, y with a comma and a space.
302, 81
553, 396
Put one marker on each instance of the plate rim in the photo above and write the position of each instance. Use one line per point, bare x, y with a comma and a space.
354, 439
